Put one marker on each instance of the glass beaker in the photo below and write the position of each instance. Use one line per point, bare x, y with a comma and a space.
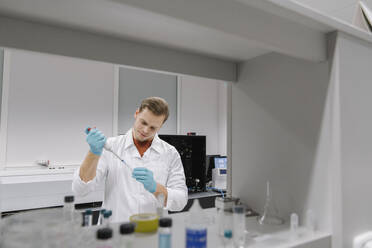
239, 225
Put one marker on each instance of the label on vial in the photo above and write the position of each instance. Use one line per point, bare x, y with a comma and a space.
164, 240
196, 238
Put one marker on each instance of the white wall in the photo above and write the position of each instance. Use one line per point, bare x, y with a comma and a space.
203, 110
44, 188
280, 133
50, 102
355, 59
1, 74
136, 85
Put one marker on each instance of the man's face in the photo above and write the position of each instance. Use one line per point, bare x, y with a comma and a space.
146, 125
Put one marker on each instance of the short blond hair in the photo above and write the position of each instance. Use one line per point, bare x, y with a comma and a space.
157, 105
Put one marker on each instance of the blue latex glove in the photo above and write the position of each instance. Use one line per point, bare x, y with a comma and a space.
146, 177
96, 140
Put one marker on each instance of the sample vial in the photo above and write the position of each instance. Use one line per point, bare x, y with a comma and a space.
106, 218
165, 233
87, 217
100, 218
104, 236
227, 239
127, 231
68, 208
239, 225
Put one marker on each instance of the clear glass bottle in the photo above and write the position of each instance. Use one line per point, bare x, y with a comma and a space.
100, 218
196, 230
227, 239
106, 218
104, 236
165, 233
161, 211
87, 217
127, 235
239, 225
68, 208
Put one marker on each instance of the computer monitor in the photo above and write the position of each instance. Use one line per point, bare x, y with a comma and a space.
211, 160
220, 162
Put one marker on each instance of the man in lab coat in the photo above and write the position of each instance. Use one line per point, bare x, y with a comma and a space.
151, 166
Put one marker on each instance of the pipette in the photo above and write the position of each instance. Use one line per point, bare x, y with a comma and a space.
107, 148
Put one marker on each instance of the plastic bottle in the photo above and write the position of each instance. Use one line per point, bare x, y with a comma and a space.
106, 218
310, 221
196, 231
87, 217
165, 233
228, 242
104, 236
100, 218
127, 231
68, 208
294, 222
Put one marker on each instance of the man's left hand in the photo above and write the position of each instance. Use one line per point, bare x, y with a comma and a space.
146, 177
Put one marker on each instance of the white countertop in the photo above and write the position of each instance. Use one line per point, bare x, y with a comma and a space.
261, 236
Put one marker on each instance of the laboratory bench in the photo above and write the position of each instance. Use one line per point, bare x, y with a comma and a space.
59, 232
263, 236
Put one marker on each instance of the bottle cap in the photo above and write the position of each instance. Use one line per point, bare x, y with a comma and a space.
127, 228
165, 222
88, 212
107, 213
104, 233
227, 234
69, 198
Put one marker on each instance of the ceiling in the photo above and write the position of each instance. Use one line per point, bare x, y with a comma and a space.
341, 9
113, 18
125, 19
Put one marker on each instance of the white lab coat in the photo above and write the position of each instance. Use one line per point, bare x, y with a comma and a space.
123, 194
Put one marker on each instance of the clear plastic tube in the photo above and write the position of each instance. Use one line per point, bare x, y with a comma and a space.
239, 225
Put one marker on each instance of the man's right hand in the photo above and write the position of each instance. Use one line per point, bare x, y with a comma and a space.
96, 140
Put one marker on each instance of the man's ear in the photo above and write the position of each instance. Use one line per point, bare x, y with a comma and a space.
136, 113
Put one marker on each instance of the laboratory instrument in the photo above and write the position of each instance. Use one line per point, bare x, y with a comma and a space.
109, 149
270, 214
219, 178
192, 150
127, 231
165, 233
239, 225
196, 230
45, 163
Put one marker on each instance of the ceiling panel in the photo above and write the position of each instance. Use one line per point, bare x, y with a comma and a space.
327, 6
119, 20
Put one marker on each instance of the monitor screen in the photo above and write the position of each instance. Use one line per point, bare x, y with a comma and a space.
220, 162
